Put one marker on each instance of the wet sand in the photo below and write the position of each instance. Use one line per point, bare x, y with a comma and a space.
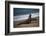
33, 23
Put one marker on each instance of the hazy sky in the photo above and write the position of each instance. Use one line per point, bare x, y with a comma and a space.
23, 11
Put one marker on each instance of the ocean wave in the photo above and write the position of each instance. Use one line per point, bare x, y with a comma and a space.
26, 16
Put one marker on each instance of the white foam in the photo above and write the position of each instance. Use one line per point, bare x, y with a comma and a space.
24, 17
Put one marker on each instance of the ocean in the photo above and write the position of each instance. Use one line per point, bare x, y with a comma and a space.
25, 16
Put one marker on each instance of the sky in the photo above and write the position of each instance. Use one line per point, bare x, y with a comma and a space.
23, 11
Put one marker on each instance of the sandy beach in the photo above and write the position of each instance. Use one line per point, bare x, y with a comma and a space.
33, 23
